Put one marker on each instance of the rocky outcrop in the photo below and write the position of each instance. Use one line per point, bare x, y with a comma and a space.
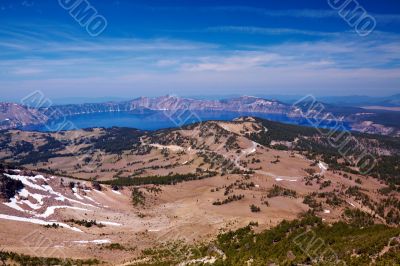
13, 115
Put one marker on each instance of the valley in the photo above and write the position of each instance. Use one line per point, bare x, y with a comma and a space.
116, 194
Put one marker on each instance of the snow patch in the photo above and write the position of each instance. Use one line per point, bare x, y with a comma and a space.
278, 179
27, 181
24, 193
116, 192
110, 223
98, 191
174, 148
37, 221
14, 205
322, 166
97, 242
62, 198
31, 205
92, 200
75, 190
50, 210
351, 204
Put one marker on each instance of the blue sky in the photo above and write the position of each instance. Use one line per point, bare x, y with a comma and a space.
186, 48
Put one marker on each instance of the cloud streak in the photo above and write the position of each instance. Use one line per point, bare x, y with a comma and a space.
270, 31
326, 13
333, 62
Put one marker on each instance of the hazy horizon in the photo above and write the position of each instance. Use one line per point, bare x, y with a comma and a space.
288, 98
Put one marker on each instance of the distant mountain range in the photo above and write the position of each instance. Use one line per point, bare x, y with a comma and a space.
349, 100
171, 103
390, 101
370, 121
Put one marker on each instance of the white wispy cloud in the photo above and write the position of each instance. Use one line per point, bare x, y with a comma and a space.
305, 13
342, 63
290, 13
270, 31
235, 62
26, 71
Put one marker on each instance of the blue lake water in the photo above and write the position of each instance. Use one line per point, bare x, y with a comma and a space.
151, 120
